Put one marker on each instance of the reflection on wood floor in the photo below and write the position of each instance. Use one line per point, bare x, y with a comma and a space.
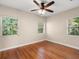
41, 50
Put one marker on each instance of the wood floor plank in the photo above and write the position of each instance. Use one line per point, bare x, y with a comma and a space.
41, 50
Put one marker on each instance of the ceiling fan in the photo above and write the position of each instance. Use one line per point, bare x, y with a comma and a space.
43, 6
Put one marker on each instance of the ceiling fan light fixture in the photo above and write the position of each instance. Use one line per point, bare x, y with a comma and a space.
41, 12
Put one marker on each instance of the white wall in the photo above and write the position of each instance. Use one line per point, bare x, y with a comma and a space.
57, 28
27, 28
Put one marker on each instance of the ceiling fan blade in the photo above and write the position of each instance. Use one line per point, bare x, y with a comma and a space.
49, 10
50, 3
34, 10
36, 2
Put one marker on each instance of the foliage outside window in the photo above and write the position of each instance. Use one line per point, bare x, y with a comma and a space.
9, 26
74, 26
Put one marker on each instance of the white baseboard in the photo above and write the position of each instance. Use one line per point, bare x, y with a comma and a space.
4, 49
71, 46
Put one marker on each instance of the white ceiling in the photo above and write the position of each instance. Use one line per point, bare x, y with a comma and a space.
27, 5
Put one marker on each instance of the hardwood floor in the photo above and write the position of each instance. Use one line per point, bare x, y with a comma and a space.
41, 50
